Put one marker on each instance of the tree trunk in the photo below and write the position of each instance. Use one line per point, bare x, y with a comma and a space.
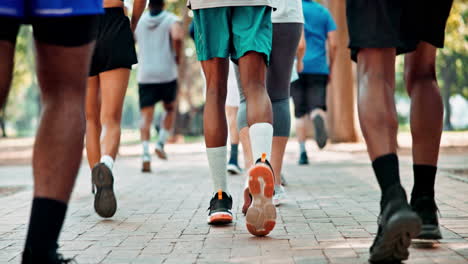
341, 99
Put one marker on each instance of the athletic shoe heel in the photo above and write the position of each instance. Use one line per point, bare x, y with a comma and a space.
261, 216
105, 203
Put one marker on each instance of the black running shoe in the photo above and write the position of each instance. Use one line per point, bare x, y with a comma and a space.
398, 224
426, 208
321, 134
105, 203
220, 209
52, 258
303, 159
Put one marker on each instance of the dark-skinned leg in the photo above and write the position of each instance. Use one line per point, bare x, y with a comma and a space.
59, 142
214, 121
426, 129
215, 124
376, 103
7, 54
252, 70
377, 115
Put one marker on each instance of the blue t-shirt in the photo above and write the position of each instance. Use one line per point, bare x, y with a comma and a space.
48, 8
318, 22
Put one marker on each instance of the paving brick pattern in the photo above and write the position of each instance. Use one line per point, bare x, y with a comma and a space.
329, 217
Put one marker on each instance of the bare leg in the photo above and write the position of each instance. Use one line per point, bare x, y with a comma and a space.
231, 114
426, 104
7, 53
301, 128
59, 141
245, 140
147, 114
170, 115
93, 123
215, 126
376, 103
427, 112
113, 88
252, 74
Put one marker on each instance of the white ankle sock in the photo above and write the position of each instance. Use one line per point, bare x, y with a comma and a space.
261, 138
163, 136
108, 161
217, 159
145, 147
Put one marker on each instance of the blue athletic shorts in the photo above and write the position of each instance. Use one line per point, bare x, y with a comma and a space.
24, 9
57, 22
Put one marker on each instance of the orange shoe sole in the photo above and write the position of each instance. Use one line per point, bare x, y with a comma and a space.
261, 215
219, 219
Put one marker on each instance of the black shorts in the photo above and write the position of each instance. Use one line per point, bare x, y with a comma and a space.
152, 93
309, 92
399, 24
115, 46
70, 31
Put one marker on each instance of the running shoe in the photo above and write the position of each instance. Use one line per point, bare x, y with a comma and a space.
220, 209
159, 150
321, 134
234, 169
146, 166
105, 203
51, 258
261, 215
283, 180
303, 159
398, 224
279, 196
426, 208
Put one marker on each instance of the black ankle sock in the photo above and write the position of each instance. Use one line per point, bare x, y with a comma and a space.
46, 221
234, 153
424, 180
386, 170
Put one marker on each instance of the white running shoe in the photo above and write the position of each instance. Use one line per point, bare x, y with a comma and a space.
279, 196
233, 169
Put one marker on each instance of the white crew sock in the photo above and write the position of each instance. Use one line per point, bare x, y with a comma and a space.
163, 136
261, 138
217, 159
108, 161
145, 147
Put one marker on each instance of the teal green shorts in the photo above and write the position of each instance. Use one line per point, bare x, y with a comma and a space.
224, 32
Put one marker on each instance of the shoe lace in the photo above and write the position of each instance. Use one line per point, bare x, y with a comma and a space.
215, 202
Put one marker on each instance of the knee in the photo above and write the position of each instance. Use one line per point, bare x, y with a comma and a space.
216, 93
253, 86
111, 119
417, 77
170, 107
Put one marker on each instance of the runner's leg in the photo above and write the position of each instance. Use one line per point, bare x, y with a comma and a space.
426, 129
7, 54
93, 122
59, 143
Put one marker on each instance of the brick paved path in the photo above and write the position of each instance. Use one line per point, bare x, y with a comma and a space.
330, 216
